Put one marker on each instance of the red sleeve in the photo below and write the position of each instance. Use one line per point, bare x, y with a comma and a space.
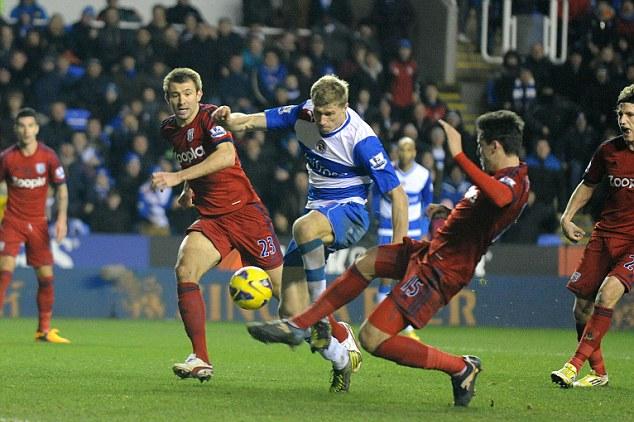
217, 134
3, 167
499, 193
596, 169
57, 175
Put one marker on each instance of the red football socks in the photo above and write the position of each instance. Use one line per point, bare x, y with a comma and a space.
5, 280
45, 299
596, 358
341, 291
597, 326
338, 331
192, 310
409, 352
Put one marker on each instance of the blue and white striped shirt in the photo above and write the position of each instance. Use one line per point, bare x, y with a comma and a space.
341, 164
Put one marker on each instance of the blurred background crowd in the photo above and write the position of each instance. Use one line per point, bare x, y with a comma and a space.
97, 82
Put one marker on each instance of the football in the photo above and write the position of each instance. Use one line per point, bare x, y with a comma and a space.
250, 288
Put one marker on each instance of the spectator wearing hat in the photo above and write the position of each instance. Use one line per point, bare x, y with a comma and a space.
322, 12
83, 34
30, 8
403, 81
182, 8
125, 14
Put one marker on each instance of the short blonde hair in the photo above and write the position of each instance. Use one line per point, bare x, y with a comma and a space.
329, 90
180, 75
626, 95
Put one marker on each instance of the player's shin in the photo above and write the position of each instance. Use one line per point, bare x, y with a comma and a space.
336, 353
45, 300
596, 358
595, 329
5, 280
192, 310
314, 260
408, 352
342, 290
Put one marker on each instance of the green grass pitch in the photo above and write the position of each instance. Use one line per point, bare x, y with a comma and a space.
119, 370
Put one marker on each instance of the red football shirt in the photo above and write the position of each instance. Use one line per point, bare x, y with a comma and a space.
217, 193
28, 179
614, 161
473, 225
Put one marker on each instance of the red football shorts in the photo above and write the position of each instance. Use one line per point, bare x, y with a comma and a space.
418, 299
34, 236
603, 256
249, 230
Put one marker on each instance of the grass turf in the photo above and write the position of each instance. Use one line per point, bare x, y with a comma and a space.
120, 370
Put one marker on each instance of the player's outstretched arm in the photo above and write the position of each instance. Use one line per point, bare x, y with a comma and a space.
454, 139
400, 213
578, 200
496, 191
61, 224
239, 122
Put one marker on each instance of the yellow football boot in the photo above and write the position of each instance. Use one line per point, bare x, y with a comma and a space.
51, 336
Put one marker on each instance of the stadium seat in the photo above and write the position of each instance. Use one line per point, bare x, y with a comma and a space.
77, 118
548, 240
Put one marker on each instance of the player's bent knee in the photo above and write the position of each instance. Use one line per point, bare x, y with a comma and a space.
610, 292
365, 264
583, 310
184, 274
371, 337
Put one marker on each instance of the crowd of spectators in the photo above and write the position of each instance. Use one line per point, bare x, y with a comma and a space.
568, 108
97, 81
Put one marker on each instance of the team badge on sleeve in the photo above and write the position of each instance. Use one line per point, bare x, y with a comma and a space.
59, 172
40, 168
378, 162
508, 181
217, 132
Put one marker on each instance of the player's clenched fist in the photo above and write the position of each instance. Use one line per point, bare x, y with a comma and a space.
222, 114
454, 139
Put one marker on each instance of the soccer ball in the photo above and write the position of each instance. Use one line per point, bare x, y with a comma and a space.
250, 288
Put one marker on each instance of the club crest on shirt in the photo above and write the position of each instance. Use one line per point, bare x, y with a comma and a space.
40, 168
190, 134
321, 145
217, 132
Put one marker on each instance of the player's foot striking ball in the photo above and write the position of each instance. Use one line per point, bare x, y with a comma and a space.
277, 331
